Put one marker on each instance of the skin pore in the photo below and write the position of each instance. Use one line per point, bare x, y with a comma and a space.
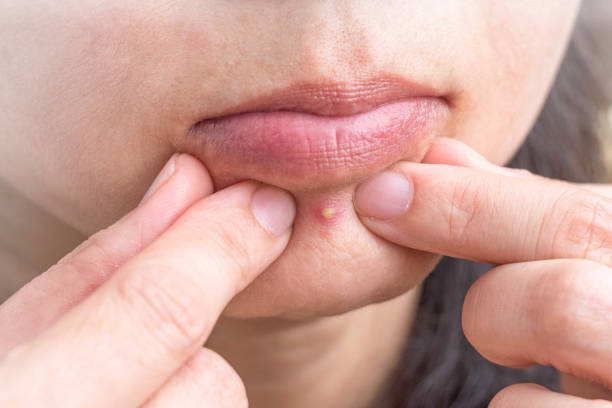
92, 110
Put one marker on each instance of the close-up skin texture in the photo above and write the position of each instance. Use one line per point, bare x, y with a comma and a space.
107, 91
305, 165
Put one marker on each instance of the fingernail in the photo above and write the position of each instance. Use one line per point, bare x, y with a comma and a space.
384, 196
274, 209
161, 178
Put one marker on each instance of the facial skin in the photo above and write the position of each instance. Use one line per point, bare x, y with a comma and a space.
97, 96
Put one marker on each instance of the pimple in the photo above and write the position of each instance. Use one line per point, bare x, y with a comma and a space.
328, 212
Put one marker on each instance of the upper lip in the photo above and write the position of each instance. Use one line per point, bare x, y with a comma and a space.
333, 98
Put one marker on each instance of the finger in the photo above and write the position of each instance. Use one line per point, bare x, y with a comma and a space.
486, 216
536, 396
579, 387
444, 150
556, 312
205, 380
42, 301
602, 189
125, 340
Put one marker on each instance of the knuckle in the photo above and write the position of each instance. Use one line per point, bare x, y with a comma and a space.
229, 239
170, 311
214, 375
581, 225
91, 254
95, 259
466, 202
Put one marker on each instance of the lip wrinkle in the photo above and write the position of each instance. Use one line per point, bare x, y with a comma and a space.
304, 141
312, 147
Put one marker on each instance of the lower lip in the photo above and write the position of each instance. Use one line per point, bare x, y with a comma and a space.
297, 144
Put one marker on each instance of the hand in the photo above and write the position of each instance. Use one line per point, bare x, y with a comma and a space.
121, 320
550, 301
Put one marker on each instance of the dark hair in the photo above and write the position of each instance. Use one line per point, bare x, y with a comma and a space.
439, 368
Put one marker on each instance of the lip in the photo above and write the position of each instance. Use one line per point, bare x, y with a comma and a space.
321, 135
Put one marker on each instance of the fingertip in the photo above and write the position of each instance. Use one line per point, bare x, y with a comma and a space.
444, 150
385, 196
182, 175
274, 209
164, 175
189, 183
195, 172
448, 151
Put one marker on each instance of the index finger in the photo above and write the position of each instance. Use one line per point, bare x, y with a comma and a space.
124, 341
486, 216
45, 299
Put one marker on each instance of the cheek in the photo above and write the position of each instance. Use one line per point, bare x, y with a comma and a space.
99, 120
514, 62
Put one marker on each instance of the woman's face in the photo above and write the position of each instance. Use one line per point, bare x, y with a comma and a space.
97, 95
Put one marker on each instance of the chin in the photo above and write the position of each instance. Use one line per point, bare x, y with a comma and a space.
331, 265
318, 141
